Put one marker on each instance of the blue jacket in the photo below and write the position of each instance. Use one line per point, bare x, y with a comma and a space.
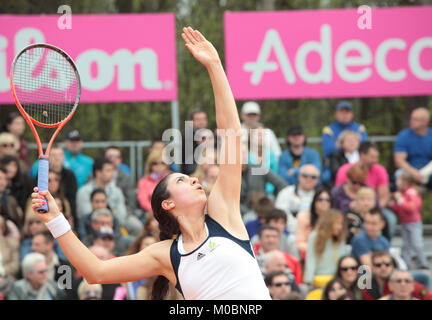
80, 164
286, 162
331, 133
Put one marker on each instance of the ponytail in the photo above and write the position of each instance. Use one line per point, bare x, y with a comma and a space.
168, 228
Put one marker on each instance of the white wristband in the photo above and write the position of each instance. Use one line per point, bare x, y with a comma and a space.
58, 226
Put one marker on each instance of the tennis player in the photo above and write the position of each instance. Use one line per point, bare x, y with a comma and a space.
205, 255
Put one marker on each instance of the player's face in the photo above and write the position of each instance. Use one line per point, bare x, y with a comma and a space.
185, 191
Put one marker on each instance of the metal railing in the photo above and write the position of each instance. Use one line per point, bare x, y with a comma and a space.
136, 150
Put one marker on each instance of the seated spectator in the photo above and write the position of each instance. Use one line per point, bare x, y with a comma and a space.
376, 178
103, 218
210, 176
401, 285
296, 156
156, 170
103, 173
64, 207
9, 207
142, 241
278, 219
261, 154
413, 147
307, 219
88, 291
74, 160
159, 145
9, 252
9, 146
408, 205
334, 290
122, 179
67, 177
33, 225
6, 283
344, 195
250, 116
104, 237
35, 285
262, 206
347, 271
344, 116
15, 124
348, 143
325, 245
382, 268
19, 184
364, 202
296, 198
254, 178
269, 238
99, 200
56, 188
151, 226
279, 285
370, 239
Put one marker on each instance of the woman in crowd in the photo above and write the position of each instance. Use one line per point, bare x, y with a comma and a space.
15, 124
347, 272
9, 207
307, 219
156, 170
326, 244
9, 251
334, 290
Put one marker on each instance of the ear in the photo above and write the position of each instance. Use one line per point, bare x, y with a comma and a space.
168, 205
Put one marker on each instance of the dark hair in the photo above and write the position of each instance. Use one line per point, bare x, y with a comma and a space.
46, 234
377, 211
326, 291
99, 164
95, 192
381, 253
366, 145
8, 159
168, 226
276, 214
339, 271
195, 111
134, 247
266, 227
111, 147
345, 296
263, 206
314, 214
9, 119
269, 278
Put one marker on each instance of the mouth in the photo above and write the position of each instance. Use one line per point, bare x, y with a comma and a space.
199, 187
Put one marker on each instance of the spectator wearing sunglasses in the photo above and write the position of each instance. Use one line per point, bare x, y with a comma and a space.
88, 291
376, 177
296, 155
382, 268
401, 285
279, 285
35, 285
347, 272
295, 198
307, 219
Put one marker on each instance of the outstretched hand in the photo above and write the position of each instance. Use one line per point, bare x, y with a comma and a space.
38, 200
200, 48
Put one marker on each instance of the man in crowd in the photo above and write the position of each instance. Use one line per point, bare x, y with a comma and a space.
75, 160
401, 285
297, 155
279, 285
296, 198
379, 286
413, 147
344, 116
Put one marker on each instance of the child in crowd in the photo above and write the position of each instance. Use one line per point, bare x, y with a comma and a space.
407, 204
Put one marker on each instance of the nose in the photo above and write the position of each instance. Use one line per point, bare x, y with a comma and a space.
194, 180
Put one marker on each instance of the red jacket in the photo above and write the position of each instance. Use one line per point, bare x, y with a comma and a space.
409, 207
291, 262
420, 291
146, 185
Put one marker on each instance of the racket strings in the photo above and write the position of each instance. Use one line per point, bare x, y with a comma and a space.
46, 85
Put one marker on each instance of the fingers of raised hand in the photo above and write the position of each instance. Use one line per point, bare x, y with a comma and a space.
188, 35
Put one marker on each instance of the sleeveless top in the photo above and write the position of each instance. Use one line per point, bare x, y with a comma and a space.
221, 268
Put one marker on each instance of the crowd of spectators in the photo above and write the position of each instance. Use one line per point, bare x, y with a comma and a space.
321, 224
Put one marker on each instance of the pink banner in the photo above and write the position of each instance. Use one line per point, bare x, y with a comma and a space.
329, 53
122, 57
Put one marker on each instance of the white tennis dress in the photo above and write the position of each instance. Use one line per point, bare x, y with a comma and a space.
221, 268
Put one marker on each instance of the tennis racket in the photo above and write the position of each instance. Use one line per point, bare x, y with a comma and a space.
46, 88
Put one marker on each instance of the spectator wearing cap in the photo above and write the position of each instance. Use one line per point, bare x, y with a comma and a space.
296, 155
250, 115
75, 160
102, 224
105, 238
343, 121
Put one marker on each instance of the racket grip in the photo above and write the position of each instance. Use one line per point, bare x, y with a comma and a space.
43, 181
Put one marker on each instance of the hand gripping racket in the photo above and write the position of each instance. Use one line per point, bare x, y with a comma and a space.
46, 88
